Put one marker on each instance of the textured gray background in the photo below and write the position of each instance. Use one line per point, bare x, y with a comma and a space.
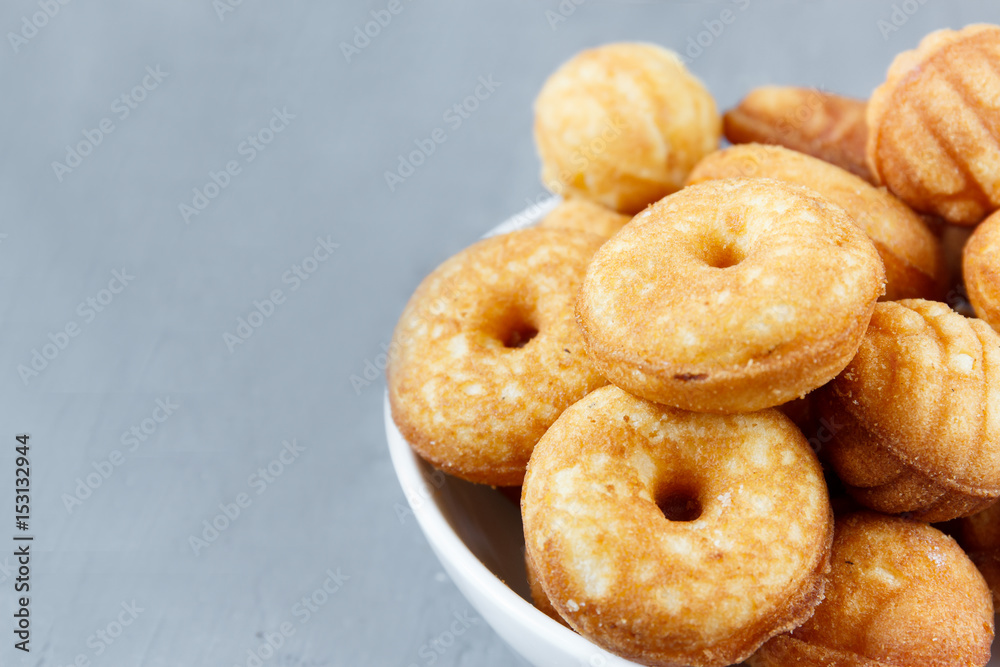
333, 507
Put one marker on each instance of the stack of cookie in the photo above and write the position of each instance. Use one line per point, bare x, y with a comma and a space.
730, 381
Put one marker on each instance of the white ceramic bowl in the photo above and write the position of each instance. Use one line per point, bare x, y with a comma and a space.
476, 533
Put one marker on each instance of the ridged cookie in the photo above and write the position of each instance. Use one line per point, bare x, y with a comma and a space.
623, 124
900, 594
917, 413
934, 125
827, 126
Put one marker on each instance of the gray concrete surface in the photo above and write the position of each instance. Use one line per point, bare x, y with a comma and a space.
222, 72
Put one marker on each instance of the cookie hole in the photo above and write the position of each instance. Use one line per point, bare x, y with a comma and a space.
679, 506
518, 334
723, 257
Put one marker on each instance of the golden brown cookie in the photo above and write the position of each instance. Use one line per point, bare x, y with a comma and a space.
827, 126
917, 413
981, 270
730, 296
487, 354
934, 125
900, 594
586, 216
914, 263
623, 124
673, 537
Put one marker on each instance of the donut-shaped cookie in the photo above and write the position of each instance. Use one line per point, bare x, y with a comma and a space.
827, 126
916, 413
981, 270
911, 254
487, 354
730, 296
676, 538
623, 124
901, 593
934, 125
585, 216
